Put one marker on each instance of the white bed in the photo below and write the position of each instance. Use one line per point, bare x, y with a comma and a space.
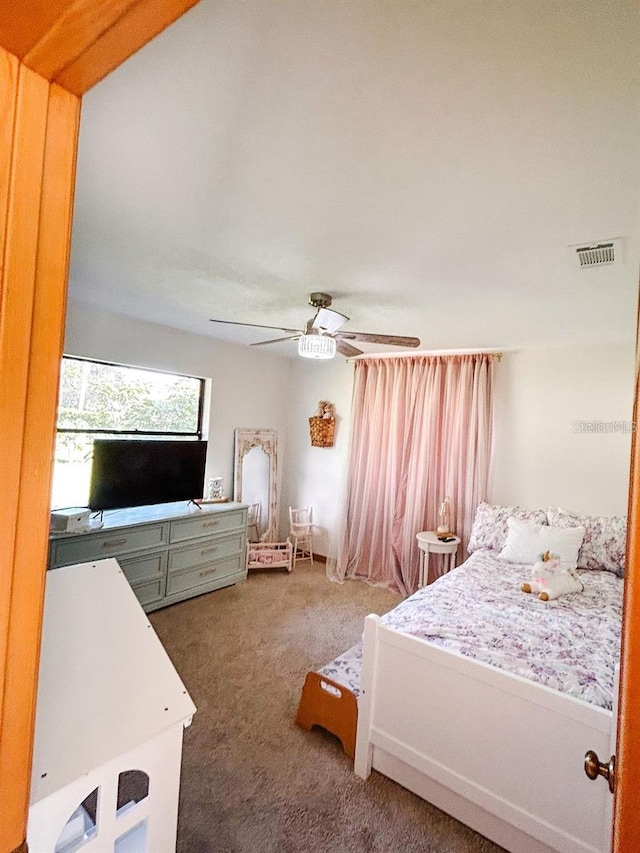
467, 728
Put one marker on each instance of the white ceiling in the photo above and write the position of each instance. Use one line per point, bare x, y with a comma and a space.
427, 162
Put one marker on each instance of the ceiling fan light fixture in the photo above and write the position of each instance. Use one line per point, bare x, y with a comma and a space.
321, 337
316, 346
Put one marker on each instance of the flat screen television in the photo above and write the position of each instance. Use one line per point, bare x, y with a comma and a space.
142, 472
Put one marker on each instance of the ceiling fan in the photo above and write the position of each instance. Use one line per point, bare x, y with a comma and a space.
321, 336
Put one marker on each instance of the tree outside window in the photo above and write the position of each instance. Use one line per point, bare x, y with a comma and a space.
101, 400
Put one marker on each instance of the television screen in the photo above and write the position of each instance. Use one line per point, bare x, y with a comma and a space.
137, 473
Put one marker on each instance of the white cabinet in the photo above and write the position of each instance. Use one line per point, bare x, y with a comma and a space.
111, 708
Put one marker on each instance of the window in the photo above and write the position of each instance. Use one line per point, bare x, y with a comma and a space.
100, 400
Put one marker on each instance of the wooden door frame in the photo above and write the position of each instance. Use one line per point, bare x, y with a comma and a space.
38, 190
50, 55
626, 819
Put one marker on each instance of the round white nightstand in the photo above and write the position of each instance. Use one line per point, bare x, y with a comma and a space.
428, 543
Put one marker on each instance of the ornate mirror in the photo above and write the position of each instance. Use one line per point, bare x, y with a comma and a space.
254, 480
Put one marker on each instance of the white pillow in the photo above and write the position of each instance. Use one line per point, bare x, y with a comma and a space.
490, 524
527, 542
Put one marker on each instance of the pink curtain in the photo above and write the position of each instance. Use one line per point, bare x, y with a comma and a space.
421, 430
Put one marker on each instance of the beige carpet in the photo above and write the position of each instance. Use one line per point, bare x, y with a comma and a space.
252, 781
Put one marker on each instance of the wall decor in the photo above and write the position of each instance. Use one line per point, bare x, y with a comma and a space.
322, 425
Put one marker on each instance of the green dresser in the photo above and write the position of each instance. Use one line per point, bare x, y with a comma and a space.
167, 552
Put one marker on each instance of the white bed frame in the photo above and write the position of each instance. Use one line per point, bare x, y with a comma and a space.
500, 753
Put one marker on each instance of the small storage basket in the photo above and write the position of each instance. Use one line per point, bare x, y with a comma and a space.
322, 431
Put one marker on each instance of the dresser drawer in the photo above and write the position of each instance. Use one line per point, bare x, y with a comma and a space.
205, 552
92, 546
183, 581
143, 567
150, 592
206, 524
167, 553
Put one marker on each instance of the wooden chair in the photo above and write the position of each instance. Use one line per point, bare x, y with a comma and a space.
301, 533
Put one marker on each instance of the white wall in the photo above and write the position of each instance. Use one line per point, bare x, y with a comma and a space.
543, 456
315, 476
249, 388
540, 458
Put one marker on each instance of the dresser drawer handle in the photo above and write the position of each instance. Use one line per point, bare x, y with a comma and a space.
208, 551
211, 523
207, 572
114, 543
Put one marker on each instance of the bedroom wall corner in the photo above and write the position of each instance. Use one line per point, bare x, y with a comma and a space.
563, 428
315, 476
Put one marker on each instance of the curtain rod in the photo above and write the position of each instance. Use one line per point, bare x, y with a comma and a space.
364, 357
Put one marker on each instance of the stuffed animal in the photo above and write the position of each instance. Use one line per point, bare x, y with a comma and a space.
550, 580
325, 410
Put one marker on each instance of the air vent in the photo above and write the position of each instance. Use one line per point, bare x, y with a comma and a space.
597, 254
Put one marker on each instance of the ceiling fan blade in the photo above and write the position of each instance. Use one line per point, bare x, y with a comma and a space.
328, 320
346, 349
255, 325
275, 340
394, 340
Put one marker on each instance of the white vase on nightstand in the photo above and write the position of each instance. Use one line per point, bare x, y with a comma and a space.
444, 518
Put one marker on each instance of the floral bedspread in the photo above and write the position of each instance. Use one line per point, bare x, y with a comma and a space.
571, 644
345, 669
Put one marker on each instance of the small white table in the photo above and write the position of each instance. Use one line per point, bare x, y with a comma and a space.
428, 543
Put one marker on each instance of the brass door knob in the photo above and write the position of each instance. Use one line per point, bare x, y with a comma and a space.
593, 767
